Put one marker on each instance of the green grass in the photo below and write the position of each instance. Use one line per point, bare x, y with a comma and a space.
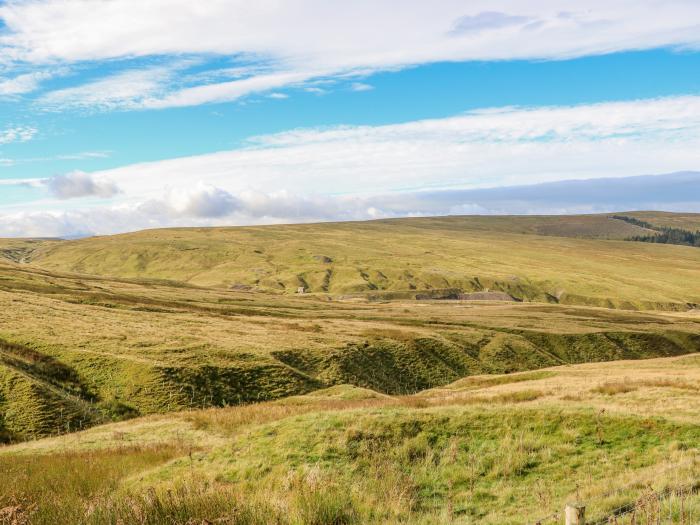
510, 450
204, 390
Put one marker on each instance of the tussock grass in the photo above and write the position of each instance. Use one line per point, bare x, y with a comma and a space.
477, 382
63, 487
520, 396
629, 385
314, 409
612, 388
346, 456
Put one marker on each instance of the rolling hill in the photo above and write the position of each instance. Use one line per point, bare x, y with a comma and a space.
578, 260
99, 348
436, 370
137, 332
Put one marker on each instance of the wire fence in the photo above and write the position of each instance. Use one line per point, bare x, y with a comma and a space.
672, 506
678, 505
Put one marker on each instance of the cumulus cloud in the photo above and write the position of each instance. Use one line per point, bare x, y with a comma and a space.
80, 184
209, 206
367, 36
203, 201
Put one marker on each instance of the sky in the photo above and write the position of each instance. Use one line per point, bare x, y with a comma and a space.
121, 115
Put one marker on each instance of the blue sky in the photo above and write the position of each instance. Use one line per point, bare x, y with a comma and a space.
233, 114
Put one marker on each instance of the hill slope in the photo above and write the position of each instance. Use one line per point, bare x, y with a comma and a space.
97, 348
565, 260
492, 450
366, 401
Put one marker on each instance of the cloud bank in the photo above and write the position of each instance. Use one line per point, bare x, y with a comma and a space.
210, 206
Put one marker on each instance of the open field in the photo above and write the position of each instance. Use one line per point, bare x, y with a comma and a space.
489, 449
570, 260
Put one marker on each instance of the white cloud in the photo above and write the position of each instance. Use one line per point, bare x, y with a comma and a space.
311, 174
279, 96
223, 91
205, 205
80, 184
83, 155
361, 86
24, 83
361, 37
483, 148
488, 20
363, 33
17, 134
315, 90
202, 201
125, 90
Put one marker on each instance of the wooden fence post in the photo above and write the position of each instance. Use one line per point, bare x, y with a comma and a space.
575, 514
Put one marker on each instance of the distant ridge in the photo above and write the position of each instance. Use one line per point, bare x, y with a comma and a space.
573, 259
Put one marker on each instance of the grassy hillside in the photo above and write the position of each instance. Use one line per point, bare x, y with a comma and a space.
499, 449
566, 260
189, 384
79, 350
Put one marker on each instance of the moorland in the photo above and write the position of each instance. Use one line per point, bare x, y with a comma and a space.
453, 369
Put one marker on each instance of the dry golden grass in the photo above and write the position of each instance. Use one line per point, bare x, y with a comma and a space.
115, 348
531, 258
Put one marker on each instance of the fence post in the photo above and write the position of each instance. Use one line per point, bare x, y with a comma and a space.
575, 514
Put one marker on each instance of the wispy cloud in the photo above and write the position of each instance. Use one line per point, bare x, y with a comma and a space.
347, 172
126, 90
225, 91
280, 51
482, 148
486, 21
24, 83
361, 86
83, 155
